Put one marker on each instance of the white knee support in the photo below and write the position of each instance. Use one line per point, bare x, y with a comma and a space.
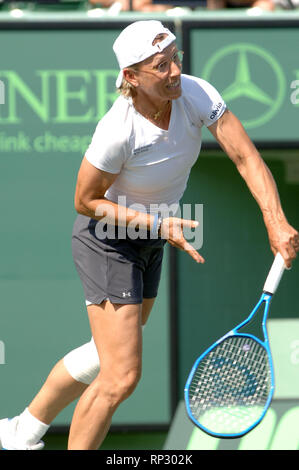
83, 363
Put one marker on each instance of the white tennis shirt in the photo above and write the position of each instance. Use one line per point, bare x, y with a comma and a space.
153, 165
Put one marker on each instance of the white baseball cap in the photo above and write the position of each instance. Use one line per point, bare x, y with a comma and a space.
135, 43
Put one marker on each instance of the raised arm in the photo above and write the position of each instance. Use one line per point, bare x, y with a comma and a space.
233, 139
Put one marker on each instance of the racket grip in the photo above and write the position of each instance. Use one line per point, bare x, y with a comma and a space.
275, 274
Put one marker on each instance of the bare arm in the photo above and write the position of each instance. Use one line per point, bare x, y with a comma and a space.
90, 200
230, 134
91, 187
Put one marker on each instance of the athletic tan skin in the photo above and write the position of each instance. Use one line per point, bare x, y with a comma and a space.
116, 329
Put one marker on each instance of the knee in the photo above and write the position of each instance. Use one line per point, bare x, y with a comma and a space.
116, 388
129, 383
83, 363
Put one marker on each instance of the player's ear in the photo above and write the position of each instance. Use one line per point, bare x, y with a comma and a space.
131, 76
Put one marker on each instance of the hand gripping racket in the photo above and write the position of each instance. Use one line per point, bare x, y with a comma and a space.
231, 385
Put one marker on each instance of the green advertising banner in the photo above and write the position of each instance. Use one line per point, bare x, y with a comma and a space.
57, 84
256, 70
57, 87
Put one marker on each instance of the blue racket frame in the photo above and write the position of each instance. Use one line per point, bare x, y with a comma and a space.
265, 298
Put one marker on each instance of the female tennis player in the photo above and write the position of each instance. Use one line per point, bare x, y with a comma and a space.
135, 169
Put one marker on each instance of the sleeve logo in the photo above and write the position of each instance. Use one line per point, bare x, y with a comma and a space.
216, 110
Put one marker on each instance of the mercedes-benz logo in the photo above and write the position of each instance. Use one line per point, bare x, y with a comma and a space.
254, 78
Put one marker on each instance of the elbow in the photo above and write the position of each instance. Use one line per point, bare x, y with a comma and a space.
79, 201
80, 207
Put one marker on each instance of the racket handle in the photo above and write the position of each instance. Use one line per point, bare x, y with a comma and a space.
275, 274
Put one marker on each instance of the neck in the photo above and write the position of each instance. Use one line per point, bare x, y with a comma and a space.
153, 112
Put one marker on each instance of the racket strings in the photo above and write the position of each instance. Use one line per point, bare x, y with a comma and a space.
231, 384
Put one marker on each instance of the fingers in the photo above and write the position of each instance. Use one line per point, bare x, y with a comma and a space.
185, 246
287, 258
295, 242
172, 227
189, 223
172, 231
193, 253
289, 255
286, 242
288, 251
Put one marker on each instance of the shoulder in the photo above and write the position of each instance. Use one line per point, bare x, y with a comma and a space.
115, 126
202, 98
117, 115
108, 148
197, 86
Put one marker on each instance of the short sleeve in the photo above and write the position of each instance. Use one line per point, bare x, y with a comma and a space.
107, 148
207, 103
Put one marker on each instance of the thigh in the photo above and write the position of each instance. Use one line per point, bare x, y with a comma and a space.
116, 330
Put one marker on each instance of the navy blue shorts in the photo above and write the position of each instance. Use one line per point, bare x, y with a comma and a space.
124, 271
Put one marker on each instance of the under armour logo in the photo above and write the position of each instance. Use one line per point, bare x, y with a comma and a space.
126, 294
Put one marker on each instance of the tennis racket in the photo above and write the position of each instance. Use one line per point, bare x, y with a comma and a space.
231, 385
